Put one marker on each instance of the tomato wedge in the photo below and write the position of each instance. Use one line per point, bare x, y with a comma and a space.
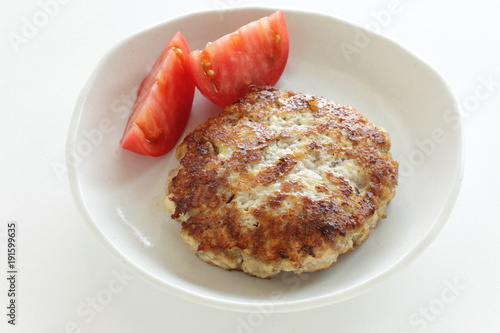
253, 55
163, 105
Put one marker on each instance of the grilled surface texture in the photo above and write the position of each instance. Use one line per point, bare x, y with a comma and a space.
281, 181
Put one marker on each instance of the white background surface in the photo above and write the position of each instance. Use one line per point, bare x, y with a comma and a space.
64, 274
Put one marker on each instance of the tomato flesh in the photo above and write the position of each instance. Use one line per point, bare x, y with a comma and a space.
253, 55
163, 105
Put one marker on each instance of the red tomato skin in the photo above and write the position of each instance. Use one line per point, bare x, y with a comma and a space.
163, 105
254, 55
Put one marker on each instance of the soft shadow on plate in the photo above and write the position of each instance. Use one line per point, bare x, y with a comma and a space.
120, 194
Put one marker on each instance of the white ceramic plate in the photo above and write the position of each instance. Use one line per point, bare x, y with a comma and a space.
121, 194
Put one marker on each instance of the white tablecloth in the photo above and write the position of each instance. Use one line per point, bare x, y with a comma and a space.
48, 48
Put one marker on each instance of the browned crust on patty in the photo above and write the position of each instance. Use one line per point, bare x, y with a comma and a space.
281, 181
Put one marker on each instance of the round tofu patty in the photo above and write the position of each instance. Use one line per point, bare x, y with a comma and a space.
281, 181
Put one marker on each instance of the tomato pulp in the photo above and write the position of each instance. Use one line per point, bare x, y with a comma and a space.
163, 105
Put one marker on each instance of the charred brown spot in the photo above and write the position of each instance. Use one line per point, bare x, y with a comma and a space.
309, 249
272, 173
195, 186
330, 230
276, 199
284, 255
